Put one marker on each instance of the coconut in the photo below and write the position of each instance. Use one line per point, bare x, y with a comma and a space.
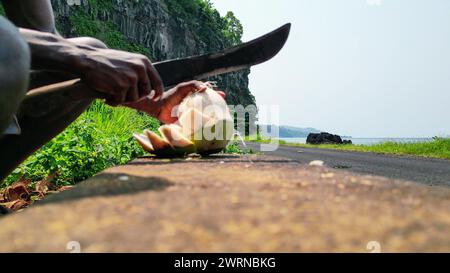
204, 126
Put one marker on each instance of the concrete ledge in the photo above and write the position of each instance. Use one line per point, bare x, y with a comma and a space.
227, 204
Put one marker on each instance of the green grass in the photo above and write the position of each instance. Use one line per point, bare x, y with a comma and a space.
438, 148
234, 148
102, 136
98, 139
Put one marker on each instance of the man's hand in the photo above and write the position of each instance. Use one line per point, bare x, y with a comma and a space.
125, 77
122, 76
163, 109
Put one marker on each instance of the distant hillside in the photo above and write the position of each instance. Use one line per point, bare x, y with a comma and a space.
290, 131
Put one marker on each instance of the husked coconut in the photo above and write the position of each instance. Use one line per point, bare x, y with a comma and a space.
204, 126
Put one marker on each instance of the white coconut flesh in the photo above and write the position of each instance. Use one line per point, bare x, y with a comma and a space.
204, 126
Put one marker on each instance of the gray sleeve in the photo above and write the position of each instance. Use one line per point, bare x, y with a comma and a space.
13, 128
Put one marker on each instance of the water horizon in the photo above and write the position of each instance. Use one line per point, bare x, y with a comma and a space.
368, 140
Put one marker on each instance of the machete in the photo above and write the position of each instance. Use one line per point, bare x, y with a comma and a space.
41, 101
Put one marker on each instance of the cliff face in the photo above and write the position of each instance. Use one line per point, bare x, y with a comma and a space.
161, 29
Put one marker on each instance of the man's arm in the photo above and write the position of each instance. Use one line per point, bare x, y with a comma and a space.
126, 76
31, 14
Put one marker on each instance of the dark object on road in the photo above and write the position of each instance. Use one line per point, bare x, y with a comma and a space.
326, 138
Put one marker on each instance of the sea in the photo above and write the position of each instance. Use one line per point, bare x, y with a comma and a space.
366, 141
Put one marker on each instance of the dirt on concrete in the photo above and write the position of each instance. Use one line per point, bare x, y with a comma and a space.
227, 204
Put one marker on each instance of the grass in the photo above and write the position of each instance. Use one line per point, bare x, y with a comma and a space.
100, 138
437, 148
233, 148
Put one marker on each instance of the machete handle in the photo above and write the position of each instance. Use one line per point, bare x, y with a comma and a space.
43, 100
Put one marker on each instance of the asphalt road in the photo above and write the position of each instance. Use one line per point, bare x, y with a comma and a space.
434, 172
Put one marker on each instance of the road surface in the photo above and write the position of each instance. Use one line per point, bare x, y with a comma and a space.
433, 172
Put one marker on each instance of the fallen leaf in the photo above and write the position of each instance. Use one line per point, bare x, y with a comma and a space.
2, 199
65, 188
21, 194
41, 187
17, 191
44, 186
16, 204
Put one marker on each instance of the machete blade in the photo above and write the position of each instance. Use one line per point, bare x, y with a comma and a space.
232, 59
41, 101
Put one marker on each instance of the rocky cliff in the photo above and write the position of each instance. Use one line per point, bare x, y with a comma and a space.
161, 29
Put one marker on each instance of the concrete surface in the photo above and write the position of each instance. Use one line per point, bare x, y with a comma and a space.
227, 204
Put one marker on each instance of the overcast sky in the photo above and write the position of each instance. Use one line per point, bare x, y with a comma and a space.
366, 68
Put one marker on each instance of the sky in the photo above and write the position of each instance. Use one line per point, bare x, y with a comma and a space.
365, 68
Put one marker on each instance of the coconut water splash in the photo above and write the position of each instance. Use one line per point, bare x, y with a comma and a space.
237, 134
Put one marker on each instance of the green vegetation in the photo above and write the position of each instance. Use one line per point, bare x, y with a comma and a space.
233, 148
99, 139
202, 16
438, 148
233, 29
102, 136
106, 32
85, 23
